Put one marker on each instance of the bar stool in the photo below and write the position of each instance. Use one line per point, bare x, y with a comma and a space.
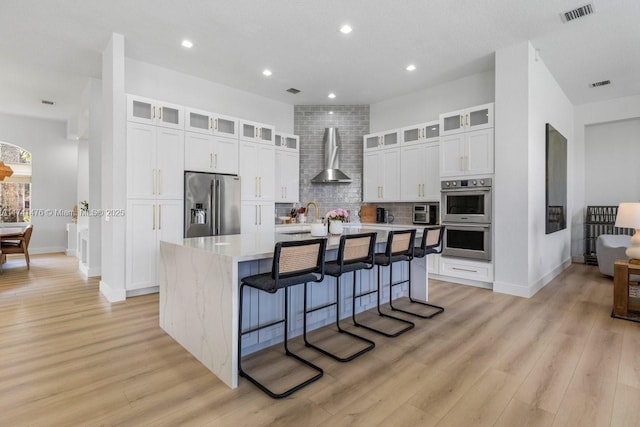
431, 244
355, 253
294, 263
399, 248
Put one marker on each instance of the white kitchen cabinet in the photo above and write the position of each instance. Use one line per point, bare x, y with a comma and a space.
424, 132
257, 217
152, 112
481, 271
257, 171
256, 132
155, 162
209, 153
149, 222
469, 119
420, 172
381, 140
467, 154
381, 175
287, 169
210, 123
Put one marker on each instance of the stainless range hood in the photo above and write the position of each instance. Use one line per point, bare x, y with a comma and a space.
331, 172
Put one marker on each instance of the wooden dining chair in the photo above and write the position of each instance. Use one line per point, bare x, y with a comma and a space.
17, 244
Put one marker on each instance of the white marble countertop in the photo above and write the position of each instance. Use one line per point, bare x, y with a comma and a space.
252, 246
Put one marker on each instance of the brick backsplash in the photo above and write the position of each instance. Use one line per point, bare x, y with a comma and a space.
352, 122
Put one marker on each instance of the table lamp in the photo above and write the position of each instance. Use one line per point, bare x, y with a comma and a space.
629, 217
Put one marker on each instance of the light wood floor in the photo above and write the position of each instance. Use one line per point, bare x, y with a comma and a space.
68, 357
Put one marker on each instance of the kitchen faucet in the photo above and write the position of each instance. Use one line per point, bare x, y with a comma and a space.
306, 209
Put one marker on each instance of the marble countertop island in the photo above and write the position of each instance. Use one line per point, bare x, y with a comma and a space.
199, 291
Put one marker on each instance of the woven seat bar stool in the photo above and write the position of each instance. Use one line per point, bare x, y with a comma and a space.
431, 244
294, 263
355, 253
399, 248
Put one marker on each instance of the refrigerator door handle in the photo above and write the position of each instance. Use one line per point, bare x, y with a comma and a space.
217, 207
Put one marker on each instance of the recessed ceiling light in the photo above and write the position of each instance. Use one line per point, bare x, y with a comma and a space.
330, 112
187, 43
346, 29
332, 95
411, 67
266, 72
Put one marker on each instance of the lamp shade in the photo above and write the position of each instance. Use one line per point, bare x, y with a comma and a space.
628, 215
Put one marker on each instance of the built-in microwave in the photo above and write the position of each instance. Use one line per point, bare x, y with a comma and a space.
466, 201
426, 213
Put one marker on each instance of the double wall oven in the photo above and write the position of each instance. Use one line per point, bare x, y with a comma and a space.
466, 213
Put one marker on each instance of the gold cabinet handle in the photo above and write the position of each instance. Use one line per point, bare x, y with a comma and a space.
154, 112
260, 215
154, 217
153, 181
159, 217
215, 163
215, 126
160, 113
210, 122
256, 218
210, 160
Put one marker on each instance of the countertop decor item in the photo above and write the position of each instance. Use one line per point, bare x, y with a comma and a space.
335, 219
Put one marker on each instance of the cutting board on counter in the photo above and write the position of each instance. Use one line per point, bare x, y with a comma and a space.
368, 213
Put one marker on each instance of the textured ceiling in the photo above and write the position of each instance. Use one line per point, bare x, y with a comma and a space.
49, 48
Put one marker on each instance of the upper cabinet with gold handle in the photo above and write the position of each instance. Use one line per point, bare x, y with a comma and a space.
154, 112
469, 119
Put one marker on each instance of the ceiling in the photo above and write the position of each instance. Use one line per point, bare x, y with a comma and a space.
49, 48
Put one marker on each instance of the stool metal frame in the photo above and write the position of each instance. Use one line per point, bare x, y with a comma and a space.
294, 263
355, 252
400, 250
431, 244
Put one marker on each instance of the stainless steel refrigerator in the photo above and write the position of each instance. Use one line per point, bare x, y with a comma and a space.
211, 204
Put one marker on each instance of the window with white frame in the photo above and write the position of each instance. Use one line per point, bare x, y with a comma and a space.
15, 190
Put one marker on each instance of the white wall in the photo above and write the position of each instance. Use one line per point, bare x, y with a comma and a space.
54, 163
589, 114
612, 174
511, 160
527, 97
426, 105
549, 254
160, 83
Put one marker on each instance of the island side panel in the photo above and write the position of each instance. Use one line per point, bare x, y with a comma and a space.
420, 279
199, 306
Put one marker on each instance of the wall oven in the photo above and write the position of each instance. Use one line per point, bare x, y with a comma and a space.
466, 214
466, 200
467, 241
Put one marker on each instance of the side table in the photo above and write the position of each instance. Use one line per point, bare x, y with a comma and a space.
623, 305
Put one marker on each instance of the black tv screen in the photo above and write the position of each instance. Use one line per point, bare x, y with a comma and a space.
556, 180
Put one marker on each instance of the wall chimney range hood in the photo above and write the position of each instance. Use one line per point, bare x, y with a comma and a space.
331, 172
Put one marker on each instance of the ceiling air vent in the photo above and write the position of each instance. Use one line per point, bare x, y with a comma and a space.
578, 12
46, 102
293, 90
602, 83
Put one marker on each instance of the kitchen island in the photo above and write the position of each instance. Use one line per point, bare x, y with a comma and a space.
199, 282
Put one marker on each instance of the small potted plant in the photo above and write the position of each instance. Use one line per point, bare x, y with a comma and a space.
336, 218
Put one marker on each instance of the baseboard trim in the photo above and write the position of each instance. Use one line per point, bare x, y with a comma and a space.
111, 294
144, 291
532, 289
47, 250
71, 252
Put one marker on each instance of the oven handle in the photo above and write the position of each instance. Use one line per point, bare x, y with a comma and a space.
469, 190
456, 224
